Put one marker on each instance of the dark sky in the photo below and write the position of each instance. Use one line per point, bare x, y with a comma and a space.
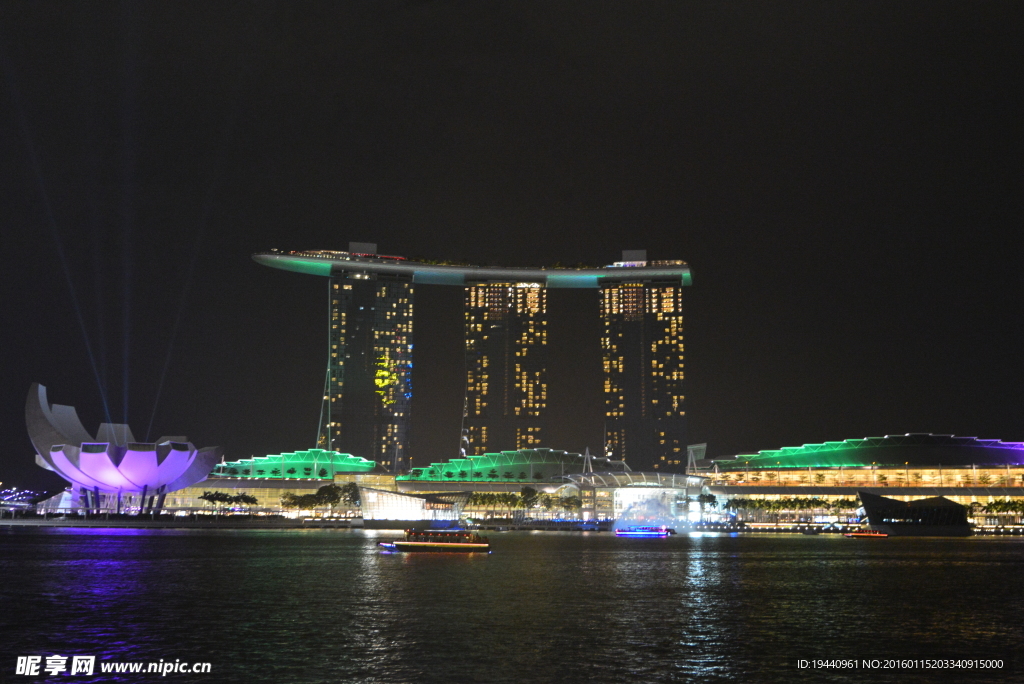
844, 178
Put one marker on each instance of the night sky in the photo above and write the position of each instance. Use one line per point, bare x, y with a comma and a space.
844, 179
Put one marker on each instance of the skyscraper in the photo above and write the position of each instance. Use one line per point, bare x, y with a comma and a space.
368, 393
368, 398
506, 366
642, 349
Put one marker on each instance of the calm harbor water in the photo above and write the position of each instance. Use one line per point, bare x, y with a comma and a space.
327, 606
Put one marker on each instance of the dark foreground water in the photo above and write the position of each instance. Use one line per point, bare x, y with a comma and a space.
327, 606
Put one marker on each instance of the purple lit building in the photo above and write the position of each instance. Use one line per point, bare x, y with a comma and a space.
112, 470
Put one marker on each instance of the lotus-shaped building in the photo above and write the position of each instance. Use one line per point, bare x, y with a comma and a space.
113, 464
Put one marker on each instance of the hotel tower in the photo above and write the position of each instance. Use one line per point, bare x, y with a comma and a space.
642, 353
367, 399
368, 396
506, 366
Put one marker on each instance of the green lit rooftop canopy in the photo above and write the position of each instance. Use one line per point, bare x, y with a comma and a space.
326, 263
524, 465
913, 449
311, 463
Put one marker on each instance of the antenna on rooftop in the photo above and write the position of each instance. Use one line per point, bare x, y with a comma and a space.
588, 462
464, 439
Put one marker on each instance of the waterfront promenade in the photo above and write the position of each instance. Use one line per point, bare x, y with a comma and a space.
209, 522
257, 522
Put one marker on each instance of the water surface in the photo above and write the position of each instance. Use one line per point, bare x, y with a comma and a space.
327, 606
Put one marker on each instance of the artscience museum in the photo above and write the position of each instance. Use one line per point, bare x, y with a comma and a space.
112, 470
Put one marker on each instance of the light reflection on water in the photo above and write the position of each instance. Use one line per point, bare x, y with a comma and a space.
326, 605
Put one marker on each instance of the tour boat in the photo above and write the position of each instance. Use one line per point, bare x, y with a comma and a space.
439, 541
643, 531
866, 534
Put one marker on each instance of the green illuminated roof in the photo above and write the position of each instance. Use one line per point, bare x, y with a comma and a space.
315, 463
525, 465
891, 450
324, 263
298, 264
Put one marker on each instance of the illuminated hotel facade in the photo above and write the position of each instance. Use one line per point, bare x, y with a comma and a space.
367, 403
643, 354
368, 396
506, 366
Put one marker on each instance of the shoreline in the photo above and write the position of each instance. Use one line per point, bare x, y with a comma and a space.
272, 524
213, 523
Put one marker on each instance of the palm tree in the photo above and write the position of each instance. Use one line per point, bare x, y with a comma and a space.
529, 497
329, 495
547, 502
706, 499
244, 499
482, 500
350, 494
571, 503
490, 501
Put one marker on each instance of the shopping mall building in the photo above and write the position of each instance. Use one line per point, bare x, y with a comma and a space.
968, 470
604, 487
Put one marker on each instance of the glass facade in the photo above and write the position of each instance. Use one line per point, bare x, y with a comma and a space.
368, 398
607, 495
268, 493
980, 473
506, 359
379, 505
642, 349
929, 476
